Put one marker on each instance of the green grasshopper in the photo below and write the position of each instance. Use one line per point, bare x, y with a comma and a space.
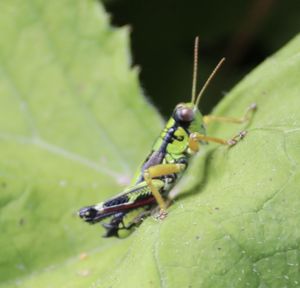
177, 143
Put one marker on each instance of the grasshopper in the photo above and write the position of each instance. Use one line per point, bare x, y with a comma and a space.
180, 139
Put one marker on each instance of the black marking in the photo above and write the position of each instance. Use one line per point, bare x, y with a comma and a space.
183, 161
178, 138
91, 215
116, 201
169, 138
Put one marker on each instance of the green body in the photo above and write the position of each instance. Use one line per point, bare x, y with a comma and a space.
171, 147
169, 150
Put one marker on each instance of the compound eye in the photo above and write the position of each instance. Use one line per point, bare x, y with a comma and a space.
185, 114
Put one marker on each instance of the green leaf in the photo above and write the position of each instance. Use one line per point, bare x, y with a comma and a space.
73, 127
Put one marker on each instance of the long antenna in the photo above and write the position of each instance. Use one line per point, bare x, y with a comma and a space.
195, 69
208, 81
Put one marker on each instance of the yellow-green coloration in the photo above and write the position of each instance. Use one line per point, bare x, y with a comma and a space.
142, 189
176, 148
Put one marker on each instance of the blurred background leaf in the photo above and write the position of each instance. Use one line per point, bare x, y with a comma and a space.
162, 35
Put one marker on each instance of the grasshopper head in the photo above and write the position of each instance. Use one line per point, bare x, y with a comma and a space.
189, 117
184, 112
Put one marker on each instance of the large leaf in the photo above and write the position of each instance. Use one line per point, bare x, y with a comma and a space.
73, 128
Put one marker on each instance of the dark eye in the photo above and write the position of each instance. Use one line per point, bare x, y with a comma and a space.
185, 114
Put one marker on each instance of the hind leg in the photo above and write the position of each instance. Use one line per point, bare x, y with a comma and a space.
246, 117
159, 171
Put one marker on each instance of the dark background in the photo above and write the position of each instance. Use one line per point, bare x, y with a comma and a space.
162, 39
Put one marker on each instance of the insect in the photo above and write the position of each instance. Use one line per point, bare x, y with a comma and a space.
180, 139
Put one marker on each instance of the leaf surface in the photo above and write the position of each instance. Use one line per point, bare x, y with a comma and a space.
73, 127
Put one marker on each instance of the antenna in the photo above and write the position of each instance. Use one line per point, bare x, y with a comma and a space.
208, 81
195, 69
